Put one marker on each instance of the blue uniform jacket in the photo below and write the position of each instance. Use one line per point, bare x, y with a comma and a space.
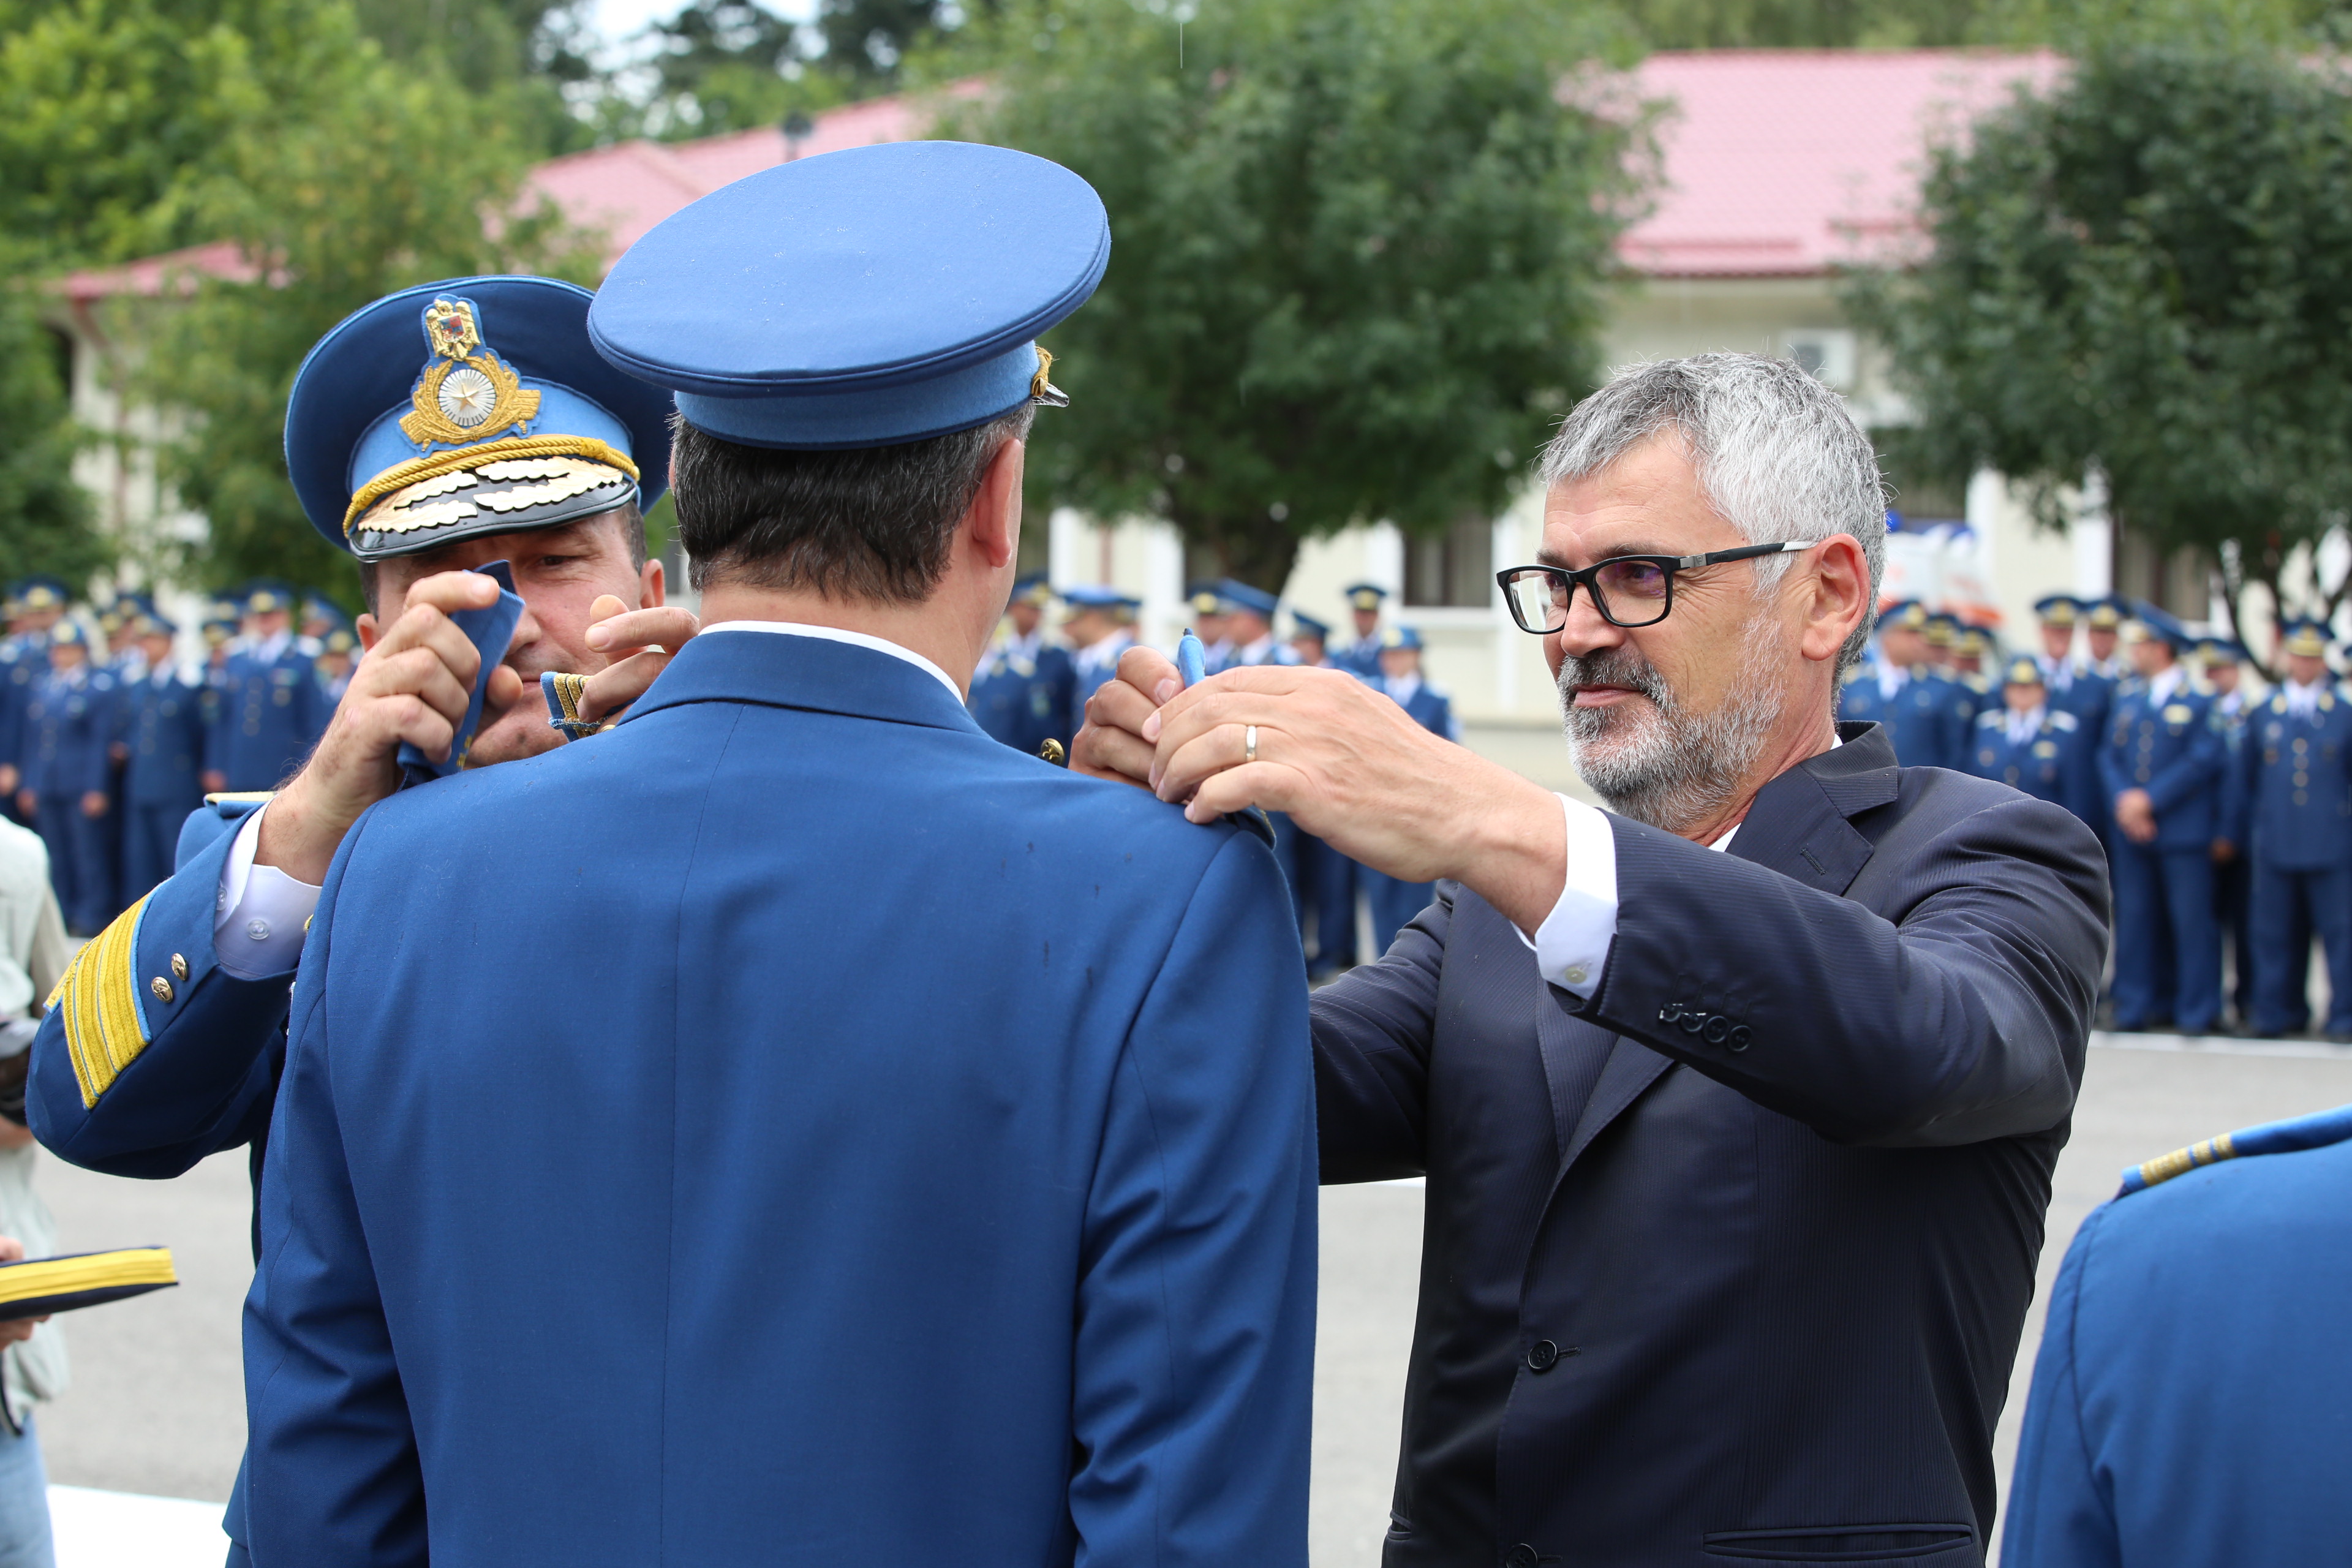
1433, 710
159, 719
2054, 764
1024, 701
23, 661
2085, 695
1928, 719
790, 1128
2177, 751
2296, 776
2188, 1405
67, 720
272, 712
135, 1080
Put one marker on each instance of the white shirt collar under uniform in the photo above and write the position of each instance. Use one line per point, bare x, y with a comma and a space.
2303, 701
855, 639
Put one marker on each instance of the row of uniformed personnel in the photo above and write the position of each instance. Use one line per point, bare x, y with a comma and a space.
1030, 691
2225, 819
107, 738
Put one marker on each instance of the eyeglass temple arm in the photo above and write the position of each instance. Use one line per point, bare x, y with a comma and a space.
1745, 553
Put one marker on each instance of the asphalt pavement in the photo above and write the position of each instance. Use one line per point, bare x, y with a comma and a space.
156, 1405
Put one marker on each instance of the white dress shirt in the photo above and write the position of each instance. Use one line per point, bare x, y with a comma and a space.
2302, 701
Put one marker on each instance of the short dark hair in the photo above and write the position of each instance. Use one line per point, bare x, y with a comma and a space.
627, 516
869, 522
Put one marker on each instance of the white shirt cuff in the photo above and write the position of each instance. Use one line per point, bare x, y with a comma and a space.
1571, 946
259, 913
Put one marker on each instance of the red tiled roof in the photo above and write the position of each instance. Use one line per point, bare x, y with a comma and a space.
1783, 163
151, 275
1777, 162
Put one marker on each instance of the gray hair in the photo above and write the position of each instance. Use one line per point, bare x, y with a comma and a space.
1776, 454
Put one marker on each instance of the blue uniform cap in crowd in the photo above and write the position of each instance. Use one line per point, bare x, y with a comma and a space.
1943, 627
1096, 597
2216, 651
1205, 600
38, 592
1309, 626
1241, 595
1033, 590
2304, 636
2162, 625
1909, 613
470, 406
2058, 609
862, 297
2022, 672
155, 626
315, 609
68, 634
265, 594
1364, 595
1399, 637
2103, 613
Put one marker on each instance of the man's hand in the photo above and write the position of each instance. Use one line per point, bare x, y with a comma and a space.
14, 1329
27, 801
93, 802
1348, 764
2135, 815
640, 643
411, 688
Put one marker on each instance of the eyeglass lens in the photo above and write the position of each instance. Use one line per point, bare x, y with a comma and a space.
1632, 592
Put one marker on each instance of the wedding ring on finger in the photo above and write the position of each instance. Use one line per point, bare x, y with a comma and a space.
1249, 742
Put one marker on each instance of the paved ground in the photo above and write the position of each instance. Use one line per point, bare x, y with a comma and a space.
156, 1407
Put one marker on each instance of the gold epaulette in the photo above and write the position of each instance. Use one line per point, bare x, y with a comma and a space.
2181, 1161
105, 1027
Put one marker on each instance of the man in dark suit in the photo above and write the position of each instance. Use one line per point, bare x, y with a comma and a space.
1737, 1161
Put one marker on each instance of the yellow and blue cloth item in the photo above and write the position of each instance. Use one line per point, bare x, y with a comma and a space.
468, 406
863, 298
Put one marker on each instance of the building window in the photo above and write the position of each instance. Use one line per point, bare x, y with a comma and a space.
1454, 569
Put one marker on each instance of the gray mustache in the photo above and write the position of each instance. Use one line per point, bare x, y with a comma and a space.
1615, 666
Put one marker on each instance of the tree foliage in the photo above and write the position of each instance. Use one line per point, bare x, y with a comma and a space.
2146, 274
1358, 262
43, 514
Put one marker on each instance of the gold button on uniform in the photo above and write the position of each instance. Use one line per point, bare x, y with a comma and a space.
179, 967
161, 987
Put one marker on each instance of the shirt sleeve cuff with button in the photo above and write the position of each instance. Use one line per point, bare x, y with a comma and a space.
1571, 946
260, 913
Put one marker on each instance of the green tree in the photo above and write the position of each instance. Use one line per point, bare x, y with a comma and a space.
1358, 261
729, 64
44, 515
2146, 274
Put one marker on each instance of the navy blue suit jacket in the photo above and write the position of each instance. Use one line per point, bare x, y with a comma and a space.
791, 1128
2188, 1403
1731, 1261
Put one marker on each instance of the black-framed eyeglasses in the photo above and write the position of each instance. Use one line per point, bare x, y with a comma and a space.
1628, 590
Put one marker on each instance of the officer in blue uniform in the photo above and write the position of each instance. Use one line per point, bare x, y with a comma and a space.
1209, 611
1249, 626
2103, 621
64, 791
34, 605
272, 710
2295, 771
2221, 662
1927, 718
1361, 654
2188, 1403
1329, 877
1975, 659
158, 723
947, 1140
1394, 903
1100, 627
2160, 770
1022, 693
2030, 745
2074, 688
168, 1035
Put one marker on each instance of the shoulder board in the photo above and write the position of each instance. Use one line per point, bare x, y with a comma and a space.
1992, 718
237, 797
2065, 720
2271, 1138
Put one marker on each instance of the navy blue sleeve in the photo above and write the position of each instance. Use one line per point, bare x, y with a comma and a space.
1195, 1343
1374, 1026
2061, 1509
127, 1080
1964, 1020
332, 1466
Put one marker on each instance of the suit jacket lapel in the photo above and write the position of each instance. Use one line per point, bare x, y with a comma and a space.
1797, 826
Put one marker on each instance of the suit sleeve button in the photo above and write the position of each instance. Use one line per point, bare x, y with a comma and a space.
1717, 1027
1739, 1039
1521, 1556
1542, 1356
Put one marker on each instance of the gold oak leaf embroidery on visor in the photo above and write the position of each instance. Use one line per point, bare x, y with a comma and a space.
555, 479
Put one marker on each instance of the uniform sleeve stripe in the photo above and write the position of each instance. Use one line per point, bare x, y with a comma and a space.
106, 1026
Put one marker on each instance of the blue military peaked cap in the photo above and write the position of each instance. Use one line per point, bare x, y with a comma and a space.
2304, 636
1909, 613
263, 595
1399, 637
157, 626
2219, 651
38, 592
1242, 595
2103, 613
1096, 597
862, 297
1309, 626
2163, 626
1207, 599
2058, 609
317, 608
1364, 595
68, 634
2022, 672
469, 406
1033, 590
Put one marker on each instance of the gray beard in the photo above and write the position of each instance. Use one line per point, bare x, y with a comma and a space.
1656, 762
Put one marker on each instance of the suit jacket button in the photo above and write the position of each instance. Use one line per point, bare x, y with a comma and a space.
1542, 1356
1521, 1556
1717, 1027
1694, 1022
1739, 1038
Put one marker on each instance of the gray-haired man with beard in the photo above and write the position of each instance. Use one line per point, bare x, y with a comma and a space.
1737, 1160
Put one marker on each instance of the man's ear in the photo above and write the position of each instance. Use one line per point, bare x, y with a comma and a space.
1840, 590
651, 582
995, 516
368, 631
